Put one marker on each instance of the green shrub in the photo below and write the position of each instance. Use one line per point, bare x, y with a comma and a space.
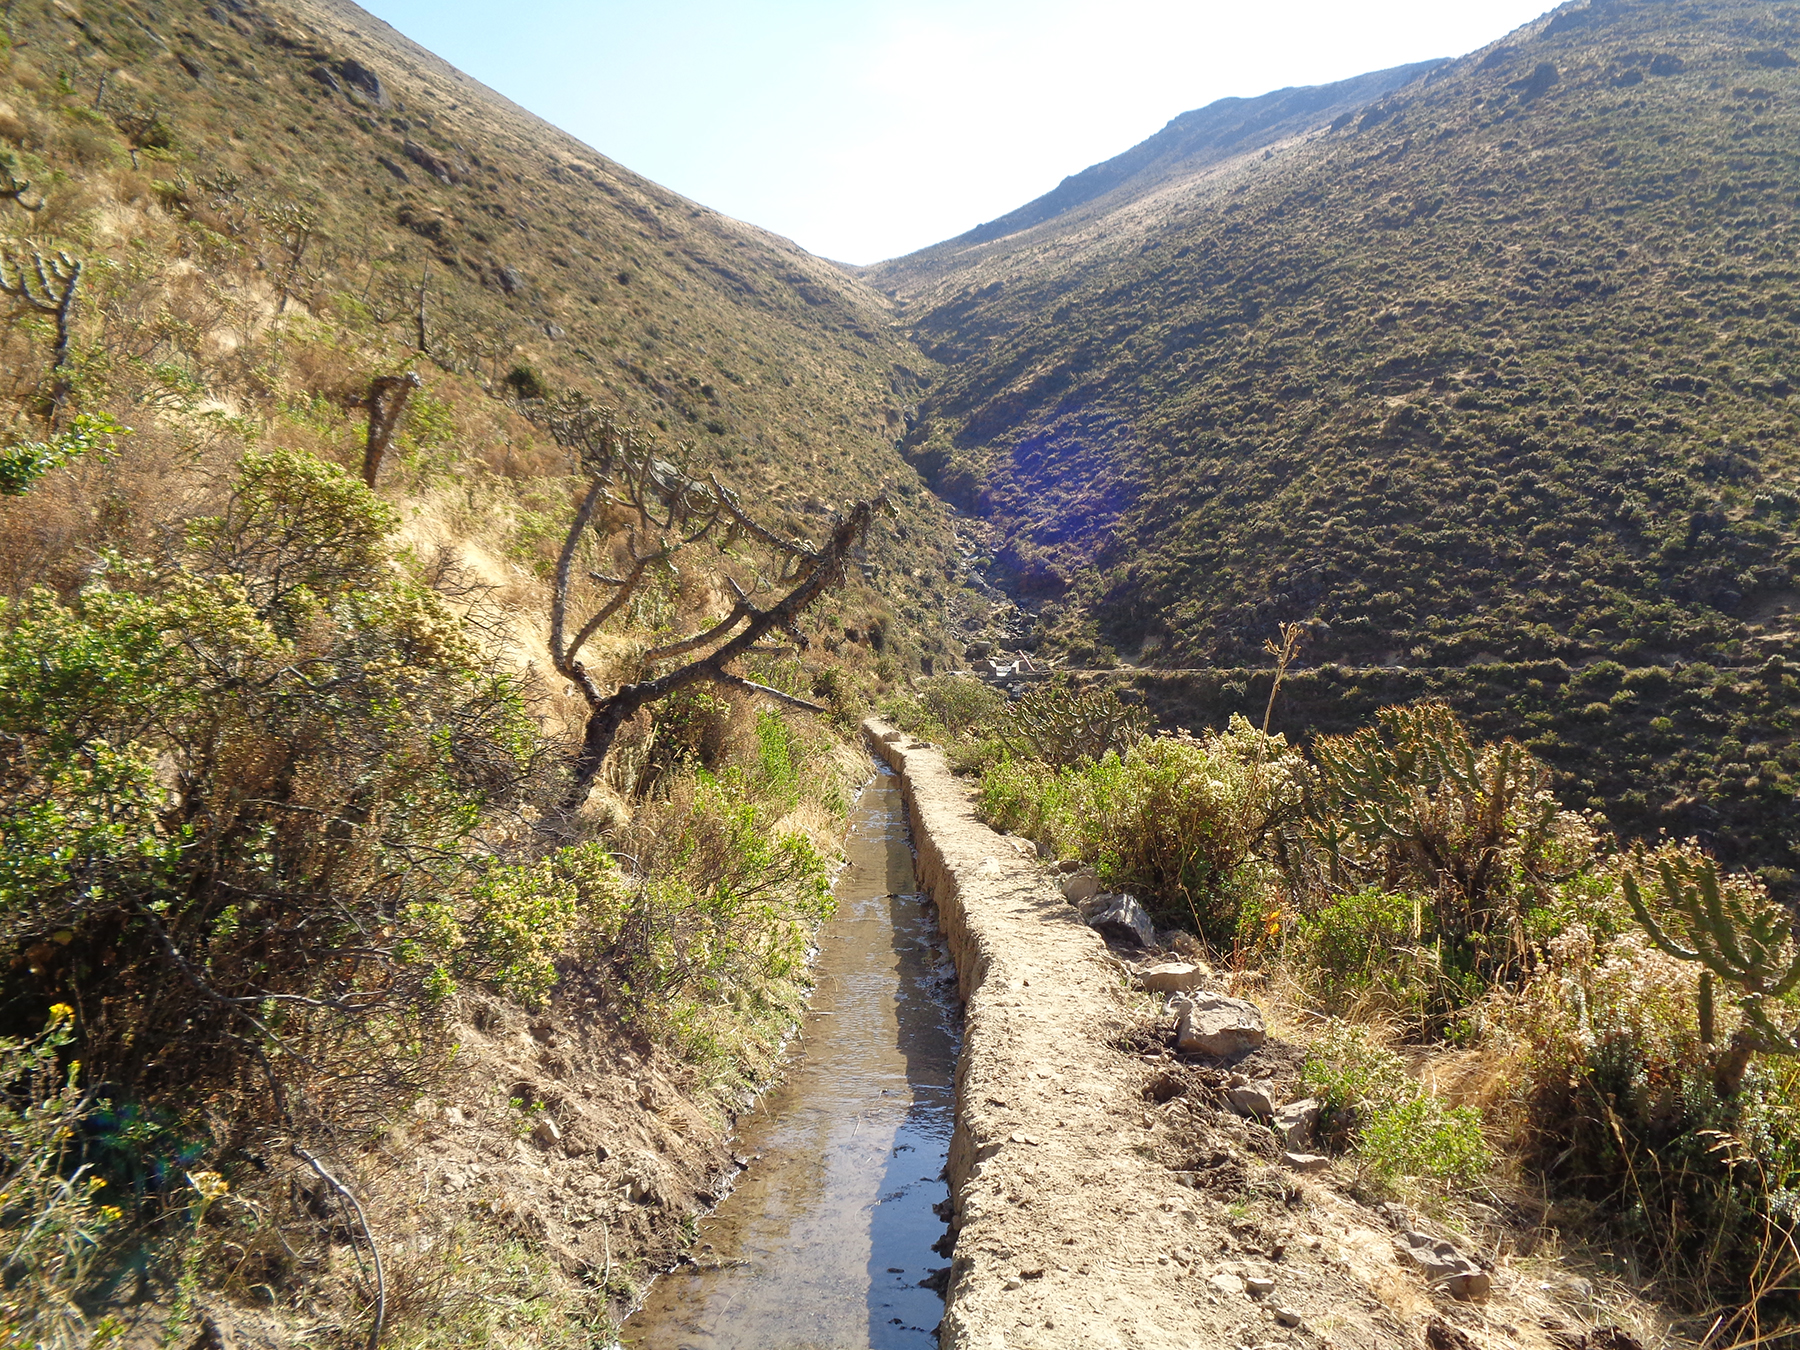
242, 782
1395, 1126
24, 463
52, 1220
1178, 822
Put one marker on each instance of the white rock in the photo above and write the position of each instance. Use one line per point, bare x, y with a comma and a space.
1172, 977
1080, 886
1212, 1024
1252, 1099
1295, 1122
1306, 1162
545, 1134
1227, 1283
1259, 1285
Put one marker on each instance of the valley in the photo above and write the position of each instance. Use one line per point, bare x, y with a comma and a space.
1342, 547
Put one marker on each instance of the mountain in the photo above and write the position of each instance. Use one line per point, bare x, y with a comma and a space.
1496, 369
1191, 144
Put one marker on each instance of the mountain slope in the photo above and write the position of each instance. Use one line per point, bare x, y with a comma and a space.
1497, 369
343, 169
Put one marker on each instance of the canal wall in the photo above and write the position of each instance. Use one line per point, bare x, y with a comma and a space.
1063, 1222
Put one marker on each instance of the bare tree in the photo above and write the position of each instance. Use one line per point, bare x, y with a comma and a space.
661, 513
386, 401
57, 279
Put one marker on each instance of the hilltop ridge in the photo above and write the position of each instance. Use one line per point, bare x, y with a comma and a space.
1191, 143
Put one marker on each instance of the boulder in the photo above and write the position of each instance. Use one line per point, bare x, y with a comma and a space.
1080, 887
1172, 977
1252, 1099
1212, 1024
1446, 1267
1123, 920
1296, 1121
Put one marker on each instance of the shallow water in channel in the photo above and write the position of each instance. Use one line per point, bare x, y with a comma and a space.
824, 1241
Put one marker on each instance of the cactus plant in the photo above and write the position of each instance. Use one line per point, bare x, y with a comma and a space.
1064, 725
1742, 939
1417, 802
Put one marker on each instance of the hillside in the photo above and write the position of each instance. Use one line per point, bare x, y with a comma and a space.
317, 945
308, 155
1493, 370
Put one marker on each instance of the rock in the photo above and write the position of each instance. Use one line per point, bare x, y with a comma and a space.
1259, 1286
545, 1134
1227, 1283
1306, 1162
363, 80
438, 168
1295, 1123
1172, 977
1470, 1287
891, 737
1440, 1335
1212, 1024
1287, 1317
1124, 920
1446, 1267
1066, 865
1252, 1099
1080, 887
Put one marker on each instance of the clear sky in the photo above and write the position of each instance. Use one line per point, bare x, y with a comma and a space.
864, 129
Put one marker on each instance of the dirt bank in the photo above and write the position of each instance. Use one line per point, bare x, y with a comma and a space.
1103, 1194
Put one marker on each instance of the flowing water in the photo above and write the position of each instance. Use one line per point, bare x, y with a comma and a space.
825, 1241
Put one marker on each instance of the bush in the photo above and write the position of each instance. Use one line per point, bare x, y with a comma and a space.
52, 1221
1395, 1126
712, 935
239, 792
1063, 725
1178, 822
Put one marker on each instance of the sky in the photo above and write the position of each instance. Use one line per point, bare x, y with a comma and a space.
865, 129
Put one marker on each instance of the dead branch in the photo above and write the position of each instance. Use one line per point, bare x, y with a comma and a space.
386, 401
57, 281
419, 316
344, 1193
667, 512
13, 188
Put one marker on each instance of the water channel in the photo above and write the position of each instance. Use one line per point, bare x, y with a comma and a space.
827, 1238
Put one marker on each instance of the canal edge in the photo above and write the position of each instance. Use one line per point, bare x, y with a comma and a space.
1060, 1223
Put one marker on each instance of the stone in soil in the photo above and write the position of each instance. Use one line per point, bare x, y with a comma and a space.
1212, 1024
1252, 1099
1080, 887
1295, 1123
1446, 1267
1172, 977
1306, 1162
1123, 919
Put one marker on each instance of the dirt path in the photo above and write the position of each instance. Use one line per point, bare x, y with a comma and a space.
1063, 1224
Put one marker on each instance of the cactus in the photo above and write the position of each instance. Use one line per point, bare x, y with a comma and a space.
1742, 939
1417, 797
1064, 725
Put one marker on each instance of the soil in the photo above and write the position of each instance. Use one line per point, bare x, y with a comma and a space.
1103, 1194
